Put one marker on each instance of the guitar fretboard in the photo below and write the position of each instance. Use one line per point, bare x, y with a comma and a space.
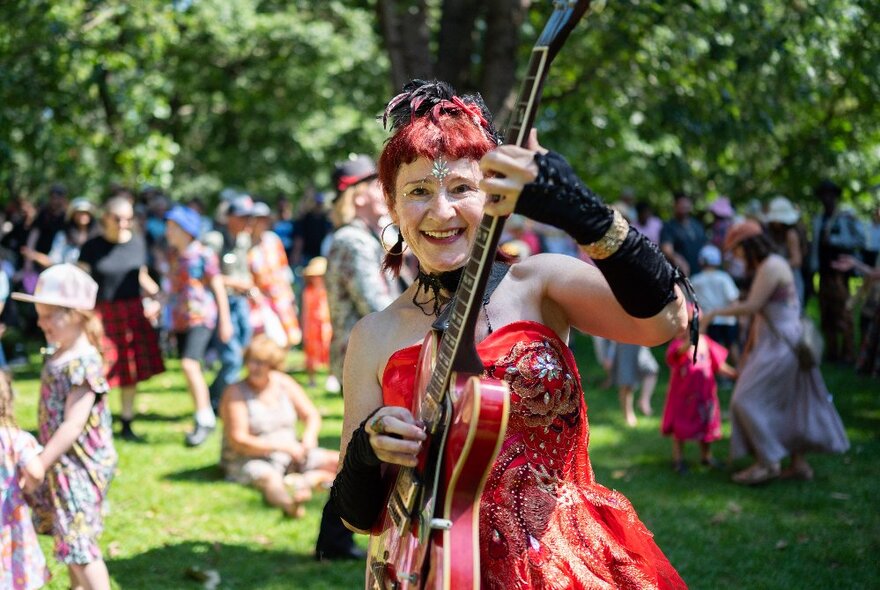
457, 350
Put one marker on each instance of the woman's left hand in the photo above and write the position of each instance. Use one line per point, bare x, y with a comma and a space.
506, 170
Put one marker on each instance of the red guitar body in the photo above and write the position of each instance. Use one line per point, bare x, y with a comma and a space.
439, 547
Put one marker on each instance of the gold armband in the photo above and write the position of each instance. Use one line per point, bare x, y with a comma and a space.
611, 241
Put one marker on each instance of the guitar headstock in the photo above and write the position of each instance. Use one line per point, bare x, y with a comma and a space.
566, 15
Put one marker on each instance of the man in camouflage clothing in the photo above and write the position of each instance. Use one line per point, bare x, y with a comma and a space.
356, 286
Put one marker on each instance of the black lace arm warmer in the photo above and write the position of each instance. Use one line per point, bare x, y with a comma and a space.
358, 491
639, 274
558, 197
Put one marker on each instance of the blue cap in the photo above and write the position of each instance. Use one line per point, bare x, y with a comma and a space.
188, 219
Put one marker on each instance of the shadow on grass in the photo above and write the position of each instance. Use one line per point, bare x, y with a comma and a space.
207, 474
187, 565
155, 417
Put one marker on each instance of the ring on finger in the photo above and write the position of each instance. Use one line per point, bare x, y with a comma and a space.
377, 425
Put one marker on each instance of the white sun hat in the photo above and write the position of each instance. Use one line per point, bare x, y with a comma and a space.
64, 285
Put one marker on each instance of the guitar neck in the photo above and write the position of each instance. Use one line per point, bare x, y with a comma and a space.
457, 351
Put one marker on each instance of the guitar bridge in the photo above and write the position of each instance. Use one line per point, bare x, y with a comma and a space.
401, 506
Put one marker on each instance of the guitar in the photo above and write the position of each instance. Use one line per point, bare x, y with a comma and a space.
428, 534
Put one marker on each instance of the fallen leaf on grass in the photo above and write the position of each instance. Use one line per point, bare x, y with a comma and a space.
781, 544
618, 474
840, 496
734, 507
263, 540
210, 579
718, 518
113, 549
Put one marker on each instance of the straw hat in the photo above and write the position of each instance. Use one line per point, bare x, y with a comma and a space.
782, 211
79, 205
742, 231
317, 267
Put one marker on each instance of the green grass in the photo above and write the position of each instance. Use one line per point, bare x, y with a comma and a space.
171, 513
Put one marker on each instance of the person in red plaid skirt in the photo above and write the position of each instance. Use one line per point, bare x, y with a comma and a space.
117, 261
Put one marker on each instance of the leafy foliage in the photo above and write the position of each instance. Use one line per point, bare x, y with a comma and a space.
747, 99
189, 94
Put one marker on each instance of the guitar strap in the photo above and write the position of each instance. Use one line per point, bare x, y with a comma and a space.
496, 275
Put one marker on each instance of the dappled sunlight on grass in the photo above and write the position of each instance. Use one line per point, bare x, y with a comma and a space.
172, 516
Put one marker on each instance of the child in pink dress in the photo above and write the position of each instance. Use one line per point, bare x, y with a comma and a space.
22, 564
692, 411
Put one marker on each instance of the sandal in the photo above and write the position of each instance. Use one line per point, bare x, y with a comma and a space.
712, 463
756, 474
801, 472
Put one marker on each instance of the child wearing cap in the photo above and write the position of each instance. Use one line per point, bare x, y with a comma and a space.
198, 306
78, 455
715, 289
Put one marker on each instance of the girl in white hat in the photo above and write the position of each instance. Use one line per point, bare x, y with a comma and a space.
74, 424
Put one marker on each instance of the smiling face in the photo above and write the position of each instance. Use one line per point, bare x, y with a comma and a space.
439, 214
60, 326
118, 220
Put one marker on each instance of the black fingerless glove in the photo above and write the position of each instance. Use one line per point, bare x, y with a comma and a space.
557, 197
357, 491
639, 275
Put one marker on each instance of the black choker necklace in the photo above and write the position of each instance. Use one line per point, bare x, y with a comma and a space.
433, 285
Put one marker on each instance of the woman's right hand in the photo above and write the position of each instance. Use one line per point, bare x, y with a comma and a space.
296, 451
396, 437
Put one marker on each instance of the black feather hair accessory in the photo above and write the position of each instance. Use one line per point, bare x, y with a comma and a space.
421, 98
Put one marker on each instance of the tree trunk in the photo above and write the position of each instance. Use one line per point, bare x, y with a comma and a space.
498, 82
404, 27
456, 45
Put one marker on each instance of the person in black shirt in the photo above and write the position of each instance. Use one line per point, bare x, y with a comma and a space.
117, 261
310, 230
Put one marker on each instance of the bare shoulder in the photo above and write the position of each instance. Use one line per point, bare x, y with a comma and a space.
775, 265
547, 268
285, 380
233, 393
372, 339
548, 264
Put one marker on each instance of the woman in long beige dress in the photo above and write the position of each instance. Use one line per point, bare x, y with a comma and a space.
778, 410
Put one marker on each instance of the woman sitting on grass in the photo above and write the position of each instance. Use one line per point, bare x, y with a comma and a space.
260, 444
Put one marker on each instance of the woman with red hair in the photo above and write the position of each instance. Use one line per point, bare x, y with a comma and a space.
544, 520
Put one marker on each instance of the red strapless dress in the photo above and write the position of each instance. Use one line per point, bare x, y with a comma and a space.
544, 521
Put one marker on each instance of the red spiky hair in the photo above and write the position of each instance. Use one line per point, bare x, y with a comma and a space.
429, 120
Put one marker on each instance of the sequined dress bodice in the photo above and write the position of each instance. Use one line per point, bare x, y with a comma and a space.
544, 521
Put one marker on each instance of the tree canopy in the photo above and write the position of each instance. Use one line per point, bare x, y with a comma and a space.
747, 99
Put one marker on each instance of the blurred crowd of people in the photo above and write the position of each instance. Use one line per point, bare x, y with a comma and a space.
239, 286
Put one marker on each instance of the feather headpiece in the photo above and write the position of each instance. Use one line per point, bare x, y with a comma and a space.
421, 98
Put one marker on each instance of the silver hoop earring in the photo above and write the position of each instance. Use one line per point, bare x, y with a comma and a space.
399, 246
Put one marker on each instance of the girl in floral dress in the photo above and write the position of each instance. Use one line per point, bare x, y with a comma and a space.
22, 564
78, 454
